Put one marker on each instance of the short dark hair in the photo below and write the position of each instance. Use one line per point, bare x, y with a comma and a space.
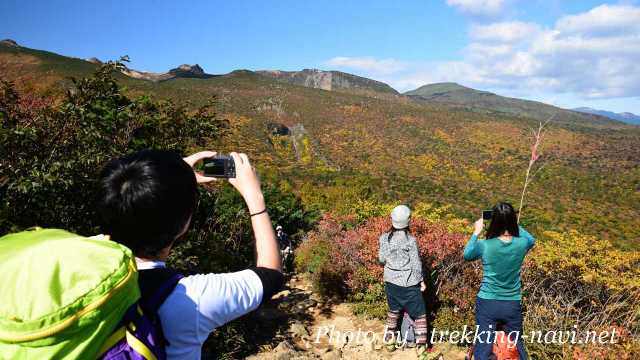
504, 218
146, 199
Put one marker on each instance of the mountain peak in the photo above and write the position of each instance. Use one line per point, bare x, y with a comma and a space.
438, 88
9, 42
186, 70
447, 83
95, 60
182, 71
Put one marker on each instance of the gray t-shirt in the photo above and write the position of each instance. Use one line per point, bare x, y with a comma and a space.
402, 265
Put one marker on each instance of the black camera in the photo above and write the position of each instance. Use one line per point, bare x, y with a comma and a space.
219, 166
487, 214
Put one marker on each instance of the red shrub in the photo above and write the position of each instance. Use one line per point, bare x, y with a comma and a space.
355, 254
552, 299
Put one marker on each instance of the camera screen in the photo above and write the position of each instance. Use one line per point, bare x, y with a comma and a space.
214, 167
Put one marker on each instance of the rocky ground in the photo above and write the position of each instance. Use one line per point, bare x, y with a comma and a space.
306, 326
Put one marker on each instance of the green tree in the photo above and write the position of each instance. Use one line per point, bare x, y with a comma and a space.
52, 154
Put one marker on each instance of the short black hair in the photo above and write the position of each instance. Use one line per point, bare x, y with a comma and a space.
146, 199
504, 218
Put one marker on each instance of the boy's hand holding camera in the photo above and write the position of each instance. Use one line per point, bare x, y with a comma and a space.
193, 159
245, 181
243, 177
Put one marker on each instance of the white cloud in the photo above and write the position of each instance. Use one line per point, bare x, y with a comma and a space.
504, 32
603, 20
591, 55
478, 7
367, 64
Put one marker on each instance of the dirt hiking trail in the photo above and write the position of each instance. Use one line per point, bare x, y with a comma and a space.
310, 327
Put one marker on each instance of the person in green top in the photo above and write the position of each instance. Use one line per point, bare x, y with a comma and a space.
502, 253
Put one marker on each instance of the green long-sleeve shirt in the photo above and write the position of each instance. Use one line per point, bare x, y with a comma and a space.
501, 264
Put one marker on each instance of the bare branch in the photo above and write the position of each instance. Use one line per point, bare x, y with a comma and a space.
538, 136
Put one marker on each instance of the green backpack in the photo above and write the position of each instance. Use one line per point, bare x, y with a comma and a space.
62, 295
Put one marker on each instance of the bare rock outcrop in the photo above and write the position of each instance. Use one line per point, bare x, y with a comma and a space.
9, 42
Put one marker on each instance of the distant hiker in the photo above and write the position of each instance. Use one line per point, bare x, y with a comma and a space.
502, 254
403, 282
147, 202
283, 238
285, 245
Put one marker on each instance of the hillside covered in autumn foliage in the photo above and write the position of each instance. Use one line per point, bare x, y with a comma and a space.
335, 148
348, 157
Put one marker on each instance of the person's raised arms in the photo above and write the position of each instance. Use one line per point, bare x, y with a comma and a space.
525, 234
248, 185
195, 158
473, 249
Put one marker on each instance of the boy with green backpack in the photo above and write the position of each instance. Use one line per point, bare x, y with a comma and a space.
69, 297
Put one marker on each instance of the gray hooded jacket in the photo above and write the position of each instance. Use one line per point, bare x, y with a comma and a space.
402, 265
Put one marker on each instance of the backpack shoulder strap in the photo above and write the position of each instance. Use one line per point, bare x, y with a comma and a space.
155, 287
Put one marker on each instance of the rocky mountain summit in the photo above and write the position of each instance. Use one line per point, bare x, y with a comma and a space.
182, 71
330, 80
9, 42
191, 71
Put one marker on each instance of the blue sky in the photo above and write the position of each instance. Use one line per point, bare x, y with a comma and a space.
566, 52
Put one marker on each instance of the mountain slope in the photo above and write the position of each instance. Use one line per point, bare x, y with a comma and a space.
457, 95
437, 89
330, 80
341, 149
626, 117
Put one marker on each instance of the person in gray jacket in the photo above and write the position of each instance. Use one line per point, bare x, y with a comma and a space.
403, 281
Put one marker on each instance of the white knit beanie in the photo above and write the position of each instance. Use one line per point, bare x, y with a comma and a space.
400, 216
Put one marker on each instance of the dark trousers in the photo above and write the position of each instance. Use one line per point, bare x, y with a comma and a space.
488, 314
407, 298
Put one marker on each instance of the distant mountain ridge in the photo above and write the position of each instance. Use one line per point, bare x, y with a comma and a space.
454, 94
15, 59
342, 146
626, 117
330, 80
